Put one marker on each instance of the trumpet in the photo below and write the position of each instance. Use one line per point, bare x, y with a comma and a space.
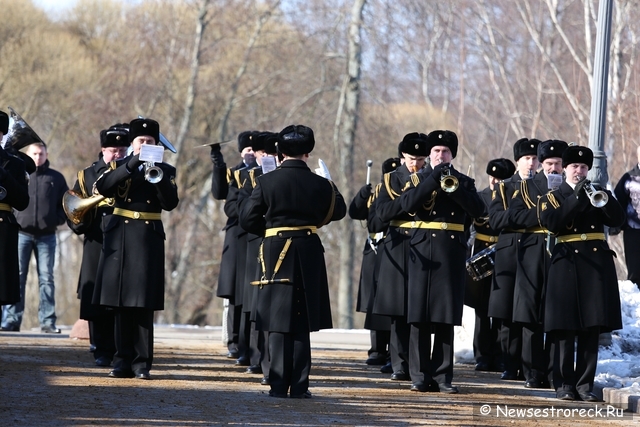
152, 173
75, 206
598, 198
448, 182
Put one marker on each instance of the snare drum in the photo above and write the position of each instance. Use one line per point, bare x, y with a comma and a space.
481, 264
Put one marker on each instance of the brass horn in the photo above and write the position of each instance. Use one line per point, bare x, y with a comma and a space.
75, 206
448, 182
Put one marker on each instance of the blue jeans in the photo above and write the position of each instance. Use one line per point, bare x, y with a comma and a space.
44, 248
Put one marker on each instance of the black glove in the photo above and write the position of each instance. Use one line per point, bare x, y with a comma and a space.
216, 155
133, 163
438, 169
579, 190
365, 191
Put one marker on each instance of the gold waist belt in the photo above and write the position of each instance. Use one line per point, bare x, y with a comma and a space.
137, 215
486, 238
5, 207
270, 232
579, 237
428, 224
537, 230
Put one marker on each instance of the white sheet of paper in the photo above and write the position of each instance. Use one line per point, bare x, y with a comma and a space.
268, 164
554, 181
151, 153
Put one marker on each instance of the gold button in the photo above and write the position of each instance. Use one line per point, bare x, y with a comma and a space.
308, 233
146, 222
279, 234
444, 225
128, 200
136, 215
576, 251
593, 227
126, 221
148, 201
453, 213
433, 235
433, 213
1, 219
406, 231
452, 236
595, 249
583, 236
575, 229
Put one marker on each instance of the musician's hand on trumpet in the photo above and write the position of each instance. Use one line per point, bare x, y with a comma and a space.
134, 163
446, 176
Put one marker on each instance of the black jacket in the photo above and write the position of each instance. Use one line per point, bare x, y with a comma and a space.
44, 213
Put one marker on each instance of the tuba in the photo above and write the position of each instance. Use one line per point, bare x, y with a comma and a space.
75, 206
19, 136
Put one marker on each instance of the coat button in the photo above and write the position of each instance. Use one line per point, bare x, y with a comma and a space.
148, 201
453, 213
595, 249
576, 251
593, 227
453, 237
126, 221
1, 219
433, 235
146, 222
129, 200
433, 213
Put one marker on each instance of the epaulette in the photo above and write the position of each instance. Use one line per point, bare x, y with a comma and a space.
229, 176
236, 175
374, 195
252, 177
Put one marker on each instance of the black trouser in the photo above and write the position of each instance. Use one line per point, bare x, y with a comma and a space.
247, 348
133, 338
290, 355
535, 360
399, 344
102, 333
234, 317
630, 237
511, 344
565, 376
425, 366
486, 344
379, 344
257, 348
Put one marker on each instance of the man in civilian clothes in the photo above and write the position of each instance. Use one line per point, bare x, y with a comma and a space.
486, 343
113, 146
234, 247
287, 206
130, 275
582, 298
434, 259
525, 153
14, 194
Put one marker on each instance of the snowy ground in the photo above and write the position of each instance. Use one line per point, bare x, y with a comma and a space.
618, 364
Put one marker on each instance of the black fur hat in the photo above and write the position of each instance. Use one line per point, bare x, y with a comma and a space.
501, 168
445, 138
144, 127
116, 136
577, 154
245, 139
525, 147
551, 148
295, 140
390, 165
414, 144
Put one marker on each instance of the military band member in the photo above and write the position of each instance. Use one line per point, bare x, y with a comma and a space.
525, 154
287, 206
533, 262
264, 147
231, 275
582, 298
390, 297
113, 146
362, 207
486, 344
131, 271
14, 194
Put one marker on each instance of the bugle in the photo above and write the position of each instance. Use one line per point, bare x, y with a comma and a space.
598, 198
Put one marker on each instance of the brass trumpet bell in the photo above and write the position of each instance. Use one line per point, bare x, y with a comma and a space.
76, 207
152, 173
448, 182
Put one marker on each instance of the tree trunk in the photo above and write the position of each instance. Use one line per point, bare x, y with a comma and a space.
351, 97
